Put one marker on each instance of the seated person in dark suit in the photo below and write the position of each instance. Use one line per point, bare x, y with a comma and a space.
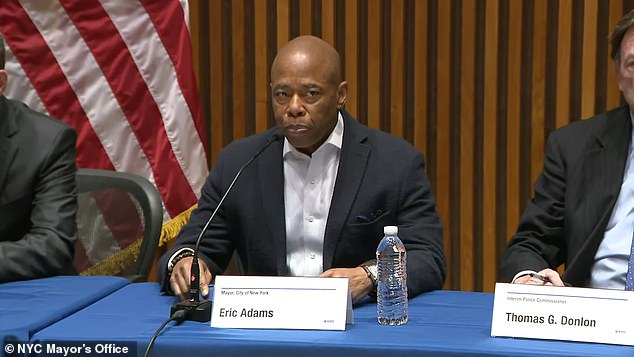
314, 203
582, 212
37, 191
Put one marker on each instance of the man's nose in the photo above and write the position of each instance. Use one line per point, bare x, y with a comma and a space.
296, 107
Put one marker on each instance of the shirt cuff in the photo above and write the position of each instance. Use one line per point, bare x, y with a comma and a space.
521, 274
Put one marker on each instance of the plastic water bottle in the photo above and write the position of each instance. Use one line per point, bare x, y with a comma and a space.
391, 262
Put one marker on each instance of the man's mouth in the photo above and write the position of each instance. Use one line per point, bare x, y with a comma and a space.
296, 129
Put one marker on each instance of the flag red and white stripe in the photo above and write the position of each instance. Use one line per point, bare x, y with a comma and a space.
120, 73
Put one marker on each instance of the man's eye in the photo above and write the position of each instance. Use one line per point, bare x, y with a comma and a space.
281, 94
312, 93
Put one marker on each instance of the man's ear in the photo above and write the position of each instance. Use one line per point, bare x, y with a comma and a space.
342, 94
3, 81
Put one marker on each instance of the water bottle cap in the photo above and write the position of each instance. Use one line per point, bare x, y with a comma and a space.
390, 230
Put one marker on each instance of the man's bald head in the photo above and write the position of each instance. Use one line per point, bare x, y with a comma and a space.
311, 52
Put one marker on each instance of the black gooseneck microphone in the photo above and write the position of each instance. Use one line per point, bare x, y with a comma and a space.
197, 310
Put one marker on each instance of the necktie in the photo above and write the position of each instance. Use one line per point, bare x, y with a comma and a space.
629, 280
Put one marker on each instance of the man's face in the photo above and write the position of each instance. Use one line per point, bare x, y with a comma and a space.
625, 67
305, 100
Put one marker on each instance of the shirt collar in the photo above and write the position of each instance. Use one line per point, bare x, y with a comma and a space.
335, 139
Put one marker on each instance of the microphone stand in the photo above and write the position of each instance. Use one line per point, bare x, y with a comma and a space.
197, 310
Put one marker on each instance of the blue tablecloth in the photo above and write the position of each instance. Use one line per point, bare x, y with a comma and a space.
440, 323
28, 306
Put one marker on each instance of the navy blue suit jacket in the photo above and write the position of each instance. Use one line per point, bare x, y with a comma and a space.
380, 181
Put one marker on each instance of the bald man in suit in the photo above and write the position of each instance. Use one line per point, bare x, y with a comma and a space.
315, 202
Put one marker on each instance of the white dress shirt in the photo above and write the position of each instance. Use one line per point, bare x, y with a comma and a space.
309, 182
610, 263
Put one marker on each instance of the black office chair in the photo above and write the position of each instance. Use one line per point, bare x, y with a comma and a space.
119, 221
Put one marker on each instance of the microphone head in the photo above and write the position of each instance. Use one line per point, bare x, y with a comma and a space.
277, 135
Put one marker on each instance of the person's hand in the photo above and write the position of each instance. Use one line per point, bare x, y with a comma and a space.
552, 278
358, 281
179, 281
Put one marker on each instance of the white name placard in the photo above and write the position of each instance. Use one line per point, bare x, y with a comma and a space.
281, 302
563, 313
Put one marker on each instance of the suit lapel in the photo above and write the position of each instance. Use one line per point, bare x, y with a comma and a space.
271, 181
352, 166
604, 168
8, 150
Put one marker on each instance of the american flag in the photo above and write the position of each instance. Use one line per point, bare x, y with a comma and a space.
120, 72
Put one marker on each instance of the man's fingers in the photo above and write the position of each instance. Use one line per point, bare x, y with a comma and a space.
553, 276
180, 278
179, 287
205, 279
327, 274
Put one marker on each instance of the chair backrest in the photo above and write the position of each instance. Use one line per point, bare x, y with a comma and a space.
119, 221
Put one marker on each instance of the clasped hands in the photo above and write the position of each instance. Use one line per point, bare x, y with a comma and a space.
546, 277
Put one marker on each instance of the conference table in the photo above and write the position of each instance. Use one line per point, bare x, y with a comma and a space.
440, 323
28, 306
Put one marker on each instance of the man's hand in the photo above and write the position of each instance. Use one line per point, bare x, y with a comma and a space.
179, 281
552, 279
358, 281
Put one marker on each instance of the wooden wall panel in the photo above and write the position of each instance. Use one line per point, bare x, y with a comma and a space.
467, 127
476, 85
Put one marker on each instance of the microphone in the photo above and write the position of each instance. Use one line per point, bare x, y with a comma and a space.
201, 310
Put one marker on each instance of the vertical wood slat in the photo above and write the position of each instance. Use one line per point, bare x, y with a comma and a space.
396, 67
513, 131
442, 177
238, 59
455, 127
215, 77
261, 82
305, 17
562, 115
283, 22
351, 58
328, 21
489, 139
539, 87
526, 90
613, 95
588, 61
478, 157
477, 86
420, 75
501, 130
374, 63
467, 143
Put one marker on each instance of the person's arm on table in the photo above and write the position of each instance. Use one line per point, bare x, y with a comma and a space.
421, 233
537, 245
215, 247
420, 230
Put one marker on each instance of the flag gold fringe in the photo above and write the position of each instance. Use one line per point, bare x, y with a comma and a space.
115, 263
172, 227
